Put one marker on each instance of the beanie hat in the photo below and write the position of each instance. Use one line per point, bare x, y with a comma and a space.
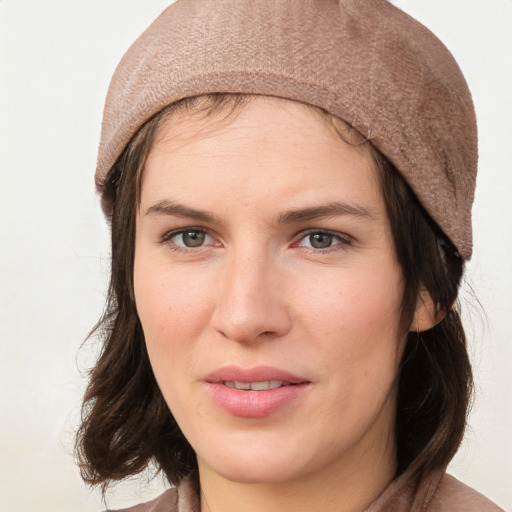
364, 61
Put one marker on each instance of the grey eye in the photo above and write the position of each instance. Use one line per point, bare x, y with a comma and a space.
190, 238
320, 240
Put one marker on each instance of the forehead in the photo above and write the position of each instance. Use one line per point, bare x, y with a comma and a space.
194, 118
279, 148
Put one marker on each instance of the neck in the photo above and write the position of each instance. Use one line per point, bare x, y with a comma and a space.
350, 486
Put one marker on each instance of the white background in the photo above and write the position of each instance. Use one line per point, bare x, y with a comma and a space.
56, 59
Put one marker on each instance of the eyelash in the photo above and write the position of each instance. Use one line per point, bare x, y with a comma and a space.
342, 239
167, 238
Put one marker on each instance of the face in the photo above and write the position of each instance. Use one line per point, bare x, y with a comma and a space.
269, 292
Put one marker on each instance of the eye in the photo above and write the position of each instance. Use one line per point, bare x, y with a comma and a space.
189, 238
319, 240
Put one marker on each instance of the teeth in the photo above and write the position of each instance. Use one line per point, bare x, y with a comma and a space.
241, 385
268, 384
255, 386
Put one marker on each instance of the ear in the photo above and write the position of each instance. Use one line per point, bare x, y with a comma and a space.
425, 316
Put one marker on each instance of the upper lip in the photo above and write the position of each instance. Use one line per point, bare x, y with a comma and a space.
254, 374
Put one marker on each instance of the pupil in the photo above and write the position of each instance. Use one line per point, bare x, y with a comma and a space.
193, 238
320, 240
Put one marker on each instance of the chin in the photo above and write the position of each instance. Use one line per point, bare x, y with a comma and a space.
256, 465
251, 473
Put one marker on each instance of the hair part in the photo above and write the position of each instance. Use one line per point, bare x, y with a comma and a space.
126, 423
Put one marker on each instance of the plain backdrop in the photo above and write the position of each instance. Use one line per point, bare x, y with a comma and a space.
56, 59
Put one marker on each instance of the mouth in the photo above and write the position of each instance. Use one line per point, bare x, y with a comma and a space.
256, 392
256, 386
261, 377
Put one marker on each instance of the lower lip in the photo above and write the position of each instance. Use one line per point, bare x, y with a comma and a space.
254, 404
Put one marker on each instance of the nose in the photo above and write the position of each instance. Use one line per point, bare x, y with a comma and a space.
252, 302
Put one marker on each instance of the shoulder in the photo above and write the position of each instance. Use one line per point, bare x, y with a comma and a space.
452, 495
166, 502
437, 492
183, 498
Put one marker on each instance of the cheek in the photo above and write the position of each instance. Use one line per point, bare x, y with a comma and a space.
170, 305
355, 324
364, 303
173, 312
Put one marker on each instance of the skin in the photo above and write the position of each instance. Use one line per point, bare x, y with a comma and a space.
257, 290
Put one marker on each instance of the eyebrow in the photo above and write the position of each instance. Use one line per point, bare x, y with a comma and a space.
166, 207
324, 211
170, 208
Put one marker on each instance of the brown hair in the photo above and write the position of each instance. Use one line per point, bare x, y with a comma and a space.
126, 423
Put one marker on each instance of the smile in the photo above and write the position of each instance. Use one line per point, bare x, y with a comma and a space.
255, 386
255, 392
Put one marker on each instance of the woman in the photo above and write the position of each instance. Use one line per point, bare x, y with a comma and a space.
290, 187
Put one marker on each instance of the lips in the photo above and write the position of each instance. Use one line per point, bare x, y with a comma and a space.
255, 386
255, 392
